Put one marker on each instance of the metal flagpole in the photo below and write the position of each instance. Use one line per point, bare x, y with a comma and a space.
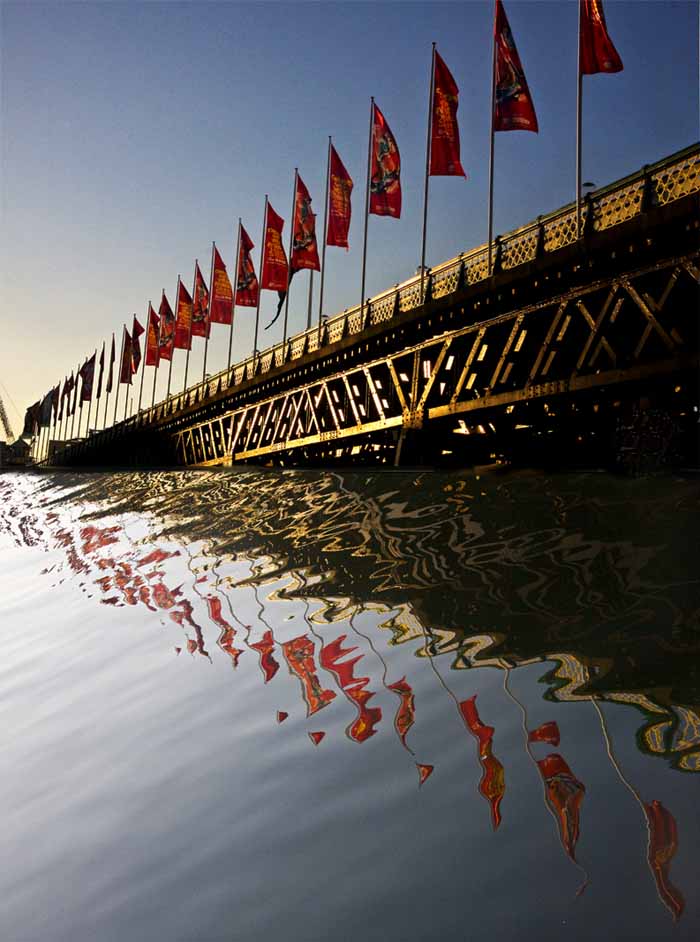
172, 349
211, 296
189, 343
119, 376
143, 359
72, 422
311, 298
579, 110
235, 289
104, 424
155, 368
291, 249
325, 237
491, 149
262, 262
427, 170
364, 243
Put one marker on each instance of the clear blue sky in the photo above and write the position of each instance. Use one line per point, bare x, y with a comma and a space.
135, 133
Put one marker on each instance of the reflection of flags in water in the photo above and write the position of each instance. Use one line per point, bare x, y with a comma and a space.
597, 52
353, 687
385, 181
564, 794
444, 139
405, 713
547, 732
513, 109
424, 772
265, 647
663, 844
299, 655
492, 785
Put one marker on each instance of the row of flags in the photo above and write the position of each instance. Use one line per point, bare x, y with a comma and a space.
167, 330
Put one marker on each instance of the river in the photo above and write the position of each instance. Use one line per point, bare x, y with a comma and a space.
398, 706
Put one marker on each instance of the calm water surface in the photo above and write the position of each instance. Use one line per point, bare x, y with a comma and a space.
336, 706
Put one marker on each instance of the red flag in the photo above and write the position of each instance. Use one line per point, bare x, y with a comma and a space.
304, 247
152, 328
339, 209
597, 53
167, 329
136, 345
200, 305
662, 847
385, 182
444, 139
102, 369
87, 374
246, 280
513, 107
564, 794
221, 301
274, 267
110, 375
125, 371
183, 318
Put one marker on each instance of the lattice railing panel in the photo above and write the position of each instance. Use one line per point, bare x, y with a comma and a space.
446, 281
382, 310
560, 231
519, 249
680, 179
410, 297
616, 207
476, 267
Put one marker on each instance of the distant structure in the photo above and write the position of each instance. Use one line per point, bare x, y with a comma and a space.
5, 422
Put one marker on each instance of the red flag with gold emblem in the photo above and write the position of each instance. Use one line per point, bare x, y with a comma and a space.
444, 139
274, 267
153, 329
221, 303
136, 332
304, 247
183, 318
597, 52
125, 371
167, 329
513, 107
200, 305
385, 180
246, 280
339, 208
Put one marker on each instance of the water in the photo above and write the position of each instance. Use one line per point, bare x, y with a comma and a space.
221, 691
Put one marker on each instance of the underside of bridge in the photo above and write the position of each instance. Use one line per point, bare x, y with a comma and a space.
581, 355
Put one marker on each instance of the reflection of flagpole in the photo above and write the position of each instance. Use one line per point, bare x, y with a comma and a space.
189, 341
491, 150
325, 239
289, 263
119, 375
211, 297
364, 241
427, 170
235, 289
172, 349
262, 262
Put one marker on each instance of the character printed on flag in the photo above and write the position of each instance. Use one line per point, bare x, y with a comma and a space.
339, 206
200, 305
444, 144
183, 319
153, 328
125, 367
167, 329
304, 248
247, 281
385, 180
221, 302
513, 107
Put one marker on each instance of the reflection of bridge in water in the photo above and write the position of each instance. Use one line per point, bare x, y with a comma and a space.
565, 337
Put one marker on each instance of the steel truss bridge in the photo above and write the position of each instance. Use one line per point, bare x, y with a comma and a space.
564, 339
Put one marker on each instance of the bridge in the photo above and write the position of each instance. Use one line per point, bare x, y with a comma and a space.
572, 341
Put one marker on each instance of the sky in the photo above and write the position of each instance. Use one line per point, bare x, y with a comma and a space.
134, 134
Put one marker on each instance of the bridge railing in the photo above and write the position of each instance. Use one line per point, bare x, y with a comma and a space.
654, 185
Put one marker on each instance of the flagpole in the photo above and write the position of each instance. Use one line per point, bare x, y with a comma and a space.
289, 263
107, 391
235, 289
491, 149
189, 344
311, 298
364, 242
172, 349
157, 363
262, 262
579, 124
143, 359
87, 430
72, 422
427, 170
119, 376
211, 295
325, 237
